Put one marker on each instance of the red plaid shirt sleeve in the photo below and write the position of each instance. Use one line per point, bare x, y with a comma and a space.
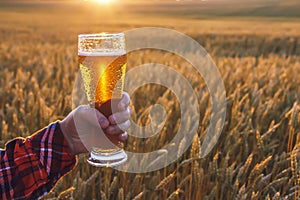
30, 167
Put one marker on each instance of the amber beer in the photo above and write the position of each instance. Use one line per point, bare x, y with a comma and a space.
103, 77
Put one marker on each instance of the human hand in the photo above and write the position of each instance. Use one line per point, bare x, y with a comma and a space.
86, 127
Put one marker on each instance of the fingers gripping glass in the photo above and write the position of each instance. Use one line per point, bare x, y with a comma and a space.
102, 61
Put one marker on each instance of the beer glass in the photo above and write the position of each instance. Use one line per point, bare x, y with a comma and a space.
102, 61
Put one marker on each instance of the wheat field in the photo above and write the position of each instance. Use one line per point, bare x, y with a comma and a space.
257, 155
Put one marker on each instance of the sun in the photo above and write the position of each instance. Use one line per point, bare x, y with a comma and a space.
104, 1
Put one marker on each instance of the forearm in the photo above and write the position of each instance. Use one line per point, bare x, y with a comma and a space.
30, 167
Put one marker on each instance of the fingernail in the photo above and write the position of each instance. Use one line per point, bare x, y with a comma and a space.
103, 122
112, 119
124, 136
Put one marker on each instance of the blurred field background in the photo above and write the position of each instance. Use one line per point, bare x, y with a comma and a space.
256, 46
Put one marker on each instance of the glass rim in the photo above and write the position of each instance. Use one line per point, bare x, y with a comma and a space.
101, 35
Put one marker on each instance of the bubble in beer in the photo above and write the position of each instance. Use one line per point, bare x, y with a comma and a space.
101, 73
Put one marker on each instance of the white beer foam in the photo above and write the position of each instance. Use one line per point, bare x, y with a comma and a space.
102, 53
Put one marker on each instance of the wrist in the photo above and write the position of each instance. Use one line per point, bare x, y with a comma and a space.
71, 136
63, 125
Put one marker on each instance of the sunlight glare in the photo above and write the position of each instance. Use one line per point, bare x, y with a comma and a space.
104, 1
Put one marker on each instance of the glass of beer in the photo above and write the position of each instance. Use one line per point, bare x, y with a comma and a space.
102, 61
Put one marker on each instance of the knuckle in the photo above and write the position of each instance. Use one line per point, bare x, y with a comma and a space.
109, 130
128, 111
126, 95
126, 125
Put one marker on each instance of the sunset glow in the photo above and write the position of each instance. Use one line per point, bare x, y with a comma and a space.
104, 1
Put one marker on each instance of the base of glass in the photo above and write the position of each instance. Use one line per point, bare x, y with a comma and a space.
99, 159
